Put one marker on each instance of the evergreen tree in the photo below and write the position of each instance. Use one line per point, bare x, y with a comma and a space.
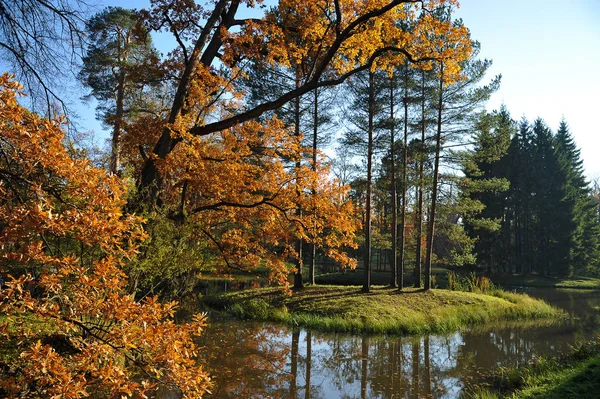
486, 185
583, 227
119, 63
552, 223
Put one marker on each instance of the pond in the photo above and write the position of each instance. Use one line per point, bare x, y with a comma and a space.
254, 360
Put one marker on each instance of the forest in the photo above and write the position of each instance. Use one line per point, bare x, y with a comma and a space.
330, 165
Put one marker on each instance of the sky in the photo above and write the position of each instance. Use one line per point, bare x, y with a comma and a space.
547, 51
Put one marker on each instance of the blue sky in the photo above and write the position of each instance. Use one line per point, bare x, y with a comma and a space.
548, 52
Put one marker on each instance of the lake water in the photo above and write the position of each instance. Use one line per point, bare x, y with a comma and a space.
255, 360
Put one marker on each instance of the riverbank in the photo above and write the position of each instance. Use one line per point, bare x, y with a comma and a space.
383, 310
576, 375
575, 282
440, 277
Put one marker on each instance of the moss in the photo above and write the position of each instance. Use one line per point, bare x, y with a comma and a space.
384, 310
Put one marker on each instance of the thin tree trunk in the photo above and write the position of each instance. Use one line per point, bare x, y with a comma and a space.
404, 184
115, 156
436, 167
367, 261
419, 216
394, 194
313, 247
298, 283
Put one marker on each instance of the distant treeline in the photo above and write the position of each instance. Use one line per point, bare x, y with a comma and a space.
548, 217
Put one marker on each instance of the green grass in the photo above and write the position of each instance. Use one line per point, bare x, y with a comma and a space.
576, 282
384, 310
576, 376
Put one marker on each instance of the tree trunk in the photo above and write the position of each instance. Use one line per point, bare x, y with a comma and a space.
298, 283
115, 162
394, 194
436, 167
419, 215
313, 247
150, 180
404, 184
367, 261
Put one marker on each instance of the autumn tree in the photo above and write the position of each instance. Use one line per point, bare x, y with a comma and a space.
63, 242
210, 139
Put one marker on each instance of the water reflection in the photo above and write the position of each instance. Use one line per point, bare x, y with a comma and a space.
253, 360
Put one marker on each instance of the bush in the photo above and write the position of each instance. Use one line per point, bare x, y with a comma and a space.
470, 283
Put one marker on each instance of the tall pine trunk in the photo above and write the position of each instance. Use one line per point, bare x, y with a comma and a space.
434, 192
404, 184
367, 261
298, 283
115, 155
394, 194
419, 216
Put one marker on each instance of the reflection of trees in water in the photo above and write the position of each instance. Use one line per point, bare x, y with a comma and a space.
246, 360
250, 360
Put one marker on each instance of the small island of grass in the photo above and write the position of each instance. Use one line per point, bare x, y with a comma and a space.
383, 310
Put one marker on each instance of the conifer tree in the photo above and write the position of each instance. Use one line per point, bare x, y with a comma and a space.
456, 106
486, 185
583, 227
120, 61
367, 117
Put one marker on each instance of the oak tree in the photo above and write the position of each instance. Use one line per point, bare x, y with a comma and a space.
63, 242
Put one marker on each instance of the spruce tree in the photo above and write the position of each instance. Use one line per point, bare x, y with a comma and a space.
486, 184
583, 228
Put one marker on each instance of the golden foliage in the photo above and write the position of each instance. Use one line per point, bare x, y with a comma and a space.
53, 210
240, 174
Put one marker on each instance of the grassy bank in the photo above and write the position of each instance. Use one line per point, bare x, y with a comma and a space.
576, 282
384, 310
572, 376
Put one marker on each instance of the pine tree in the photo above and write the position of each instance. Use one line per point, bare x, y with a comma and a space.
456, 106
366, 114
120, 61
